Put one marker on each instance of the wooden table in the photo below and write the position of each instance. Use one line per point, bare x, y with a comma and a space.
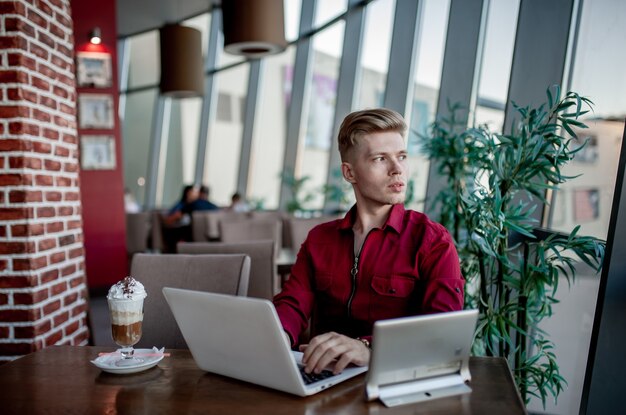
61, 380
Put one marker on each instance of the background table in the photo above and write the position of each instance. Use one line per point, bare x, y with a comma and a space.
61, 380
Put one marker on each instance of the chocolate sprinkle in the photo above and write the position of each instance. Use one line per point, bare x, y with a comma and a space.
128, 286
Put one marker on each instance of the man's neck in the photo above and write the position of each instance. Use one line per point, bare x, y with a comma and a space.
367, 218
370, 217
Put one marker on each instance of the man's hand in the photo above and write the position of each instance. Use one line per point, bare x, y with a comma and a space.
329, 347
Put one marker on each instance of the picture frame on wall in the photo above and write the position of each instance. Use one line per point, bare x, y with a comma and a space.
93, 69
95, 111
97, 152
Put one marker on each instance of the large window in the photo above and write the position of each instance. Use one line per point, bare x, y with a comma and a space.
314, 156
327, 10
143, 71
180, 150
144, 68
268, 141
268, 144
375, 54
434, 23
136, 136
292, 19
224, 139
597, 73
495, 69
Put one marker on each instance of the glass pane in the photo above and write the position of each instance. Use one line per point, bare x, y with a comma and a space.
144, 60
327, 10
318, 138
497, 58
375, 53
292, 18
268, 141
431, 46
492, 117
598, 75
224, 140
136, 130
587, 200
182, 145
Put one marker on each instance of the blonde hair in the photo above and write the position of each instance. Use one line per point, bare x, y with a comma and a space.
359, 123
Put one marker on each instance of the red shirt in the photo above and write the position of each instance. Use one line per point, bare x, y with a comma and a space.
408, 267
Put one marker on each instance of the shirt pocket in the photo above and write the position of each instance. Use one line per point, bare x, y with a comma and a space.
390, 296
393, 286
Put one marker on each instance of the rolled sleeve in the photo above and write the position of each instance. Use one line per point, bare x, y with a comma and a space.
444, 284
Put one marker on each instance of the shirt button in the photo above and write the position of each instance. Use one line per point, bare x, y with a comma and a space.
392, 291
457, 289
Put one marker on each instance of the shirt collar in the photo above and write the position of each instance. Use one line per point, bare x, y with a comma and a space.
394, 220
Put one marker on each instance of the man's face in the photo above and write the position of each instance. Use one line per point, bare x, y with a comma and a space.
377, 169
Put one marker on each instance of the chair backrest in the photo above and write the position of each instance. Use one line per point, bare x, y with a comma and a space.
200, 225
283, 217
205, 224
157, 242
300, 227
262, 283
226, 274
137, 232
252, 230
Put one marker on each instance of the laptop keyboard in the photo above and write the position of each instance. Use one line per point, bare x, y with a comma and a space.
314, 377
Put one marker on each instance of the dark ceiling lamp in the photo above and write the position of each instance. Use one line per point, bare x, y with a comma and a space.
181, 61
253, 28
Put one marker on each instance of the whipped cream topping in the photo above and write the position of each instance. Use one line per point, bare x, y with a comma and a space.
127, 289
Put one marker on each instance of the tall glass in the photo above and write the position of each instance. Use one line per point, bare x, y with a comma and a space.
126, 321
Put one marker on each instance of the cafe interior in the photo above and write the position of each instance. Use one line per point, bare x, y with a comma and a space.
110, 108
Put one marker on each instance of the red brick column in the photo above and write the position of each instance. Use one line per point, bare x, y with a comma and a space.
43, 299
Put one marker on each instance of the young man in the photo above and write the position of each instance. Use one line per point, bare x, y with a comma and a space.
380, 261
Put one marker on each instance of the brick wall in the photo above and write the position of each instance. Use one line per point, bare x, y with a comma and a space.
43, 299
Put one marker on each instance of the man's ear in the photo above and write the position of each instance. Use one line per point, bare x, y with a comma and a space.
348, 173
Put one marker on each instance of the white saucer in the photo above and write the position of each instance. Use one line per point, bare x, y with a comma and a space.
107, 362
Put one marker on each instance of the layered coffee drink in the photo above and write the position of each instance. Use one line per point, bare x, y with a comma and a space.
126, 309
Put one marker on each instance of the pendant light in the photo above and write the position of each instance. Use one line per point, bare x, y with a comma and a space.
253, 28
181, 61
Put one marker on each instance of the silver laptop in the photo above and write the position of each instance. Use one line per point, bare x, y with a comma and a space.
421, 358
242, 338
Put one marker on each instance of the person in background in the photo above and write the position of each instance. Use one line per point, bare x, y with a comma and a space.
177, 222
237, 204
203, 203
179, 213
380, 261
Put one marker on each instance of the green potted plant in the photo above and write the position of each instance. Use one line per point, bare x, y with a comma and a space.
299, 197
511, 266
